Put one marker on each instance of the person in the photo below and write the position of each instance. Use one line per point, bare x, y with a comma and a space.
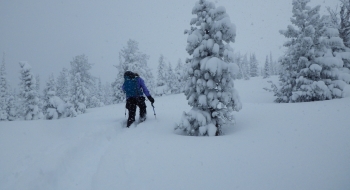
134, 88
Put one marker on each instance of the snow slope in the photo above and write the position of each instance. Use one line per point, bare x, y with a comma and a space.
272, 146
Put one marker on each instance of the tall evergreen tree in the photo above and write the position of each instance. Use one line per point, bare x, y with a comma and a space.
238, 60
3, 91
210, 90
162, 72
12, 106
107, 94
267, 70
311, 69
37, 82
82, 80
163, 77
131, 59
246, 69
254, 71
179, 75
272, 65
29, 95
342, 23
79, 98
63, 85
171, 80
100, 92
49, 92
118, 94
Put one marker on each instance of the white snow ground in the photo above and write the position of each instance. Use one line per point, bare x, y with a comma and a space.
273, 146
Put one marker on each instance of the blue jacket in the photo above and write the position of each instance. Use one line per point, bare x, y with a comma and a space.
141, 84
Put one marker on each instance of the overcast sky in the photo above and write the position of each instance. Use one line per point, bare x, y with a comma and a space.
48, 34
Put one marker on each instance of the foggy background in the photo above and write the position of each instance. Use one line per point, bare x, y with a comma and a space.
48, 34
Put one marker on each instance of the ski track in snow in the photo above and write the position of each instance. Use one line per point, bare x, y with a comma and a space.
277, 146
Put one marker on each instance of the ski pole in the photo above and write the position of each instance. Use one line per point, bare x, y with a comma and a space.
154, 111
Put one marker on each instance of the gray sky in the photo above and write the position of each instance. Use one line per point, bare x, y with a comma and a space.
48, 34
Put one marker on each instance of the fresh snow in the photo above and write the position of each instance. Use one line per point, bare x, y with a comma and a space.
272, 146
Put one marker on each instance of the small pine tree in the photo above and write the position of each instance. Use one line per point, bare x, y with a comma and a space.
254, 71
272, 65
100, 93
107, 95
54, 107
79, 99
162, 72
49, 92
12, 107
82, 81
63, 85
179, 75
171, 80
163, 77
238, 60
246, 69
30, 105
267, 70
3, 92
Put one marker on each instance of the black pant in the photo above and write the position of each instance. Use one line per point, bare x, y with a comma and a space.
131, 104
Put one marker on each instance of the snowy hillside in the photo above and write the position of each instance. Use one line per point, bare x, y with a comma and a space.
273, 146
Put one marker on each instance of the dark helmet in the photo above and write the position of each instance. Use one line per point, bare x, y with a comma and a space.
129, 74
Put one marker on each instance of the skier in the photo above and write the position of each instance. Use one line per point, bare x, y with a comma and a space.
135, 87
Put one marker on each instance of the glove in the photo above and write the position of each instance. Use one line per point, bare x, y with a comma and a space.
150, 99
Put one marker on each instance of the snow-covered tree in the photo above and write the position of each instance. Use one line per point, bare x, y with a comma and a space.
118, 94
162, 77
179, 75
107, 94
312, 68
63, 91
267, 70
82, 80
171, 80
162, 71
344, 25
341, 21
210, 90
63, 85
131, 59
245, 69
12, 106
253, 62
30, 109
54, 106
238, 60
95, 98
49, 91
79, 98
3, 91
272, 65
37, 82
100, 92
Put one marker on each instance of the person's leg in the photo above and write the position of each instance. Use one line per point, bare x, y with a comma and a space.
131, 106
142, 105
